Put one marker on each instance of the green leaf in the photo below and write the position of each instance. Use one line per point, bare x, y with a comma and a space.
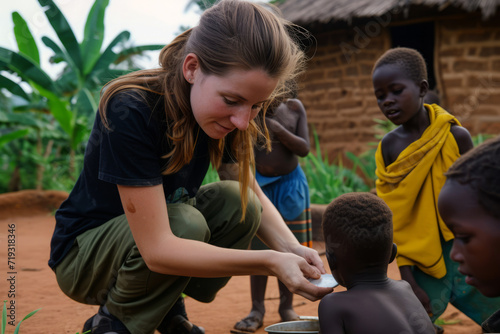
21, 119
79, 133
60, 53
25, 41
13, 87
63, 31
86, 103
26, 317
110, 74
21, 105
5, 138
135, 50
26, 68
4, 316
109, 56
93, 35
59, 109
67, 82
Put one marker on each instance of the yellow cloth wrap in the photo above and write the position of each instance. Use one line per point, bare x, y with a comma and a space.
410, 186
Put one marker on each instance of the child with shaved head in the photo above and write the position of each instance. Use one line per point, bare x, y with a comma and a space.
358, 237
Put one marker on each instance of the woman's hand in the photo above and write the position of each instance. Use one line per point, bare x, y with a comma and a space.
293, 271
312, 257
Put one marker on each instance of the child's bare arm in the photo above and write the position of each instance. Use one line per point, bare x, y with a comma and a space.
295, 144
289, 127
302, 129
462, 137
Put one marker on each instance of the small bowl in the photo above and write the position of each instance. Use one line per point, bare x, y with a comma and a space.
294, 327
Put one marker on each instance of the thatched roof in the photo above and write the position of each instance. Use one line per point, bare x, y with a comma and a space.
324, 11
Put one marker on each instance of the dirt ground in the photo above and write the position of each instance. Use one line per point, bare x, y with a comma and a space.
28, 215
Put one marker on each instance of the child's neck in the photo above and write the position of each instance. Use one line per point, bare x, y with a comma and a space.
367, 278
418, 123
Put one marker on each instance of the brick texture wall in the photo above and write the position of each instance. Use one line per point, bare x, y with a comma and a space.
468, 54
337, 89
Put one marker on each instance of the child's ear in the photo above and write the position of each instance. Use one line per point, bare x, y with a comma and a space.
394, 252
424, 88
332, 261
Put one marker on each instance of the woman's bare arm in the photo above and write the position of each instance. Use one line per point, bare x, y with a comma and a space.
163, 252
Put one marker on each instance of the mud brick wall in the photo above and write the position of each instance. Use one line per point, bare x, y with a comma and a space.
468, 54
337, 89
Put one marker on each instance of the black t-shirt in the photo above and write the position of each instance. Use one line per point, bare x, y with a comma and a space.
130, 153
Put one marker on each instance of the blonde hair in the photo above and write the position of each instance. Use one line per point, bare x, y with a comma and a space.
233, 34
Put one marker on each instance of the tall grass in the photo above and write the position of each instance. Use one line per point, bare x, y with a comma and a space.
16, 331
4, 319
326, 180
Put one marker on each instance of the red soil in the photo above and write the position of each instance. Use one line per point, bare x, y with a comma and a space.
35, 285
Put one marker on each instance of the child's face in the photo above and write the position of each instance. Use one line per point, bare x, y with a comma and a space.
476, 246
334, 268
398, 97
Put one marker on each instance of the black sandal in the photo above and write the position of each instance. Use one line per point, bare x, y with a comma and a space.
104, 322
176, 321
180, 325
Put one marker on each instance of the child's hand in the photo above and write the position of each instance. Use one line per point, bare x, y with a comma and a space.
424, 298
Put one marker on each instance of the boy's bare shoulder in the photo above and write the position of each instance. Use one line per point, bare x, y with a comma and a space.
345, 299
335, 297
392, 135
295, 105
462, 137
391, 145
344, 302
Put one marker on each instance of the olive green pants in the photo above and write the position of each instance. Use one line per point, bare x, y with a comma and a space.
104, 267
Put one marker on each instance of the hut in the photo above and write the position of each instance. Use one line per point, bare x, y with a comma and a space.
459, 39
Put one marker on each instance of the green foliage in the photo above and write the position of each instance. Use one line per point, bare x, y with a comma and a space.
480, 138
383, 126
328, 181
441, 322
54, 116
16, 331
211, 176
365, 162
4, 318
201, 4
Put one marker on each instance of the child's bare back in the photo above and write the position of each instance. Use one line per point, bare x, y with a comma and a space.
386, 307
359, 247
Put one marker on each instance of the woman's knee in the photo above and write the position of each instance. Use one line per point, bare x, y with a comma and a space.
227, 195
187, 222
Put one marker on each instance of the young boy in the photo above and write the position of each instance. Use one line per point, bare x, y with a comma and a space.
284, 183
469, 205
411, 161
358, 239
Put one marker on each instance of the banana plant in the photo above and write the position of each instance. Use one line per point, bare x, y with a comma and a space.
72, 97
202, 5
